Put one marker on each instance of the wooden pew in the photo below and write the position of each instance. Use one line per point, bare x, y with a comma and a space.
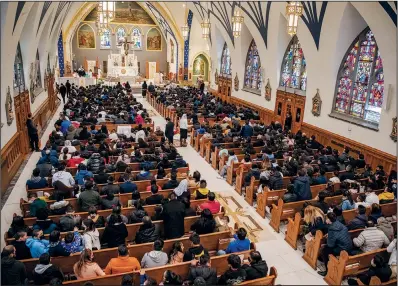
102, 257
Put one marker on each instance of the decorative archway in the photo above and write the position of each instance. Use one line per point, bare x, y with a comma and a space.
200, 67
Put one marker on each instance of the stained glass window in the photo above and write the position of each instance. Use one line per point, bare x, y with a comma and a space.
225, 62
136, 38
19, 79
293, 71
38, 83
106, 40
120, 34
48, 64
253, 76
360, 83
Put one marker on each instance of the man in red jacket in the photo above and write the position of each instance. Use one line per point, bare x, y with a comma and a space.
211, 204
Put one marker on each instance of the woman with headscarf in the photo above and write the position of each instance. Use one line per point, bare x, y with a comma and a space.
183, 130
182, 190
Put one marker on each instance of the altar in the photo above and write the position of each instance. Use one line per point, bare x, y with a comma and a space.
123, 64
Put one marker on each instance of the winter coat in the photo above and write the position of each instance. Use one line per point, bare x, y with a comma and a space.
276, 182
375, 216
247, 131
232, 277
38, 183
173, 219
127, 187
37, 246
195, 253
136, 216
37, 204
144, 175
302, 188
42, 274
202, 226
88, 198
289, 198
386, 227
75, 245
110, 188
207, 273
47, 226
169, 129
80, 176
358, 222
68, 222
255, 270
155, 199
56, 249
95, 163
154, 259
108, 204
148, 233
318, 225
114, 235
371, 239
338, 237
91, 240
22, 251
13, 272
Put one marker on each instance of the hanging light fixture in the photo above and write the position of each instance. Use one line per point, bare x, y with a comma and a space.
105, 14
294, 10
237, 21
205, 28
185, 27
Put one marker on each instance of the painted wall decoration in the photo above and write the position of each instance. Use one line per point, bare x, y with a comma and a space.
127, 12
316, 104
268, 91
153, 40
216, 77
393, 134
85, 37
136, 39
236, 82
200, 68
8, 105
172, 51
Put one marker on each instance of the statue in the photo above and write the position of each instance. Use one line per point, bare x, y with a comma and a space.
236, 82
45, 80
268, 91
393, 134
68, 69
8, 104
316, 104
216, 77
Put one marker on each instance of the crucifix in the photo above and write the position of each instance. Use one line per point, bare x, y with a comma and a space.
125, 44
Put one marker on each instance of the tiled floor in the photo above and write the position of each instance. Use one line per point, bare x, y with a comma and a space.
292, 269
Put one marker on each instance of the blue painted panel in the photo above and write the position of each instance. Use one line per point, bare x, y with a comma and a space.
312, 20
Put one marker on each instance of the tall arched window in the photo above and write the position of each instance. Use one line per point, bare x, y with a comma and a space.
105, 39
293, 71
225, 69
360, 82
120, 34
48, 64
19, 79
38, 83
136, 38
253, 69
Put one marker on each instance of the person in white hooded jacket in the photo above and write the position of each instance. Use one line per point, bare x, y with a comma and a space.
91, 235
156, 257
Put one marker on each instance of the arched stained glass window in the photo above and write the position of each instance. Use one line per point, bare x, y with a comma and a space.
253, 69
225, 62
48, 64
105, 39
19, 79
38, 83
120, 34
293, 71
360, 82
136, 38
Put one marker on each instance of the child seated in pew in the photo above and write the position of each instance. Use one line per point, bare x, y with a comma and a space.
202, 192
36, 182
196, 250
73, 241
235, 274
99, 221
239, 243
378, 268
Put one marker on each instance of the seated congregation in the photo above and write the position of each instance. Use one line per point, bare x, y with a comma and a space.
287, 176
122, 205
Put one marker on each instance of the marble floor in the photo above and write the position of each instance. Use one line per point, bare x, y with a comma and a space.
292, 269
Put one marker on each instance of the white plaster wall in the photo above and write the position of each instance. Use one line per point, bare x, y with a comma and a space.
197, 44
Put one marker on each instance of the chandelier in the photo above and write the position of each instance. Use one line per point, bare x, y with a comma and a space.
294, 10
185, 31
237, 21
205, 28
105, 14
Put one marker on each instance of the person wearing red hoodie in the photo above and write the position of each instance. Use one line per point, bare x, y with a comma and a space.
75, 160
139, 119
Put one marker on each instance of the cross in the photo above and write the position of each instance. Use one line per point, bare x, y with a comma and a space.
126, 45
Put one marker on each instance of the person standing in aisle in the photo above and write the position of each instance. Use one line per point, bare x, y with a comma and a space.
68, 87
32, 133
183, 130
169, 130
62, 91
144, 88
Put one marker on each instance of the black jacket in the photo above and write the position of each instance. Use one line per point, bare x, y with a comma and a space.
232, 277
115, 189
289, 198
22, 251
42, 274
32, 130
148, 233
101, 178
136, 216
276, 182
207, 273
13, 272
202, 226
114, 235
173, 218
57, 250
169, 130
95, 163
358, 222
170, 185
155, 199
255, 270
195, 252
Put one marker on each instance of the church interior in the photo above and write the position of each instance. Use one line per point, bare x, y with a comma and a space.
280, 115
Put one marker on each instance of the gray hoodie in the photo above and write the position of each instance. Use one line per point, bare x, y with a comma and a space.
154, 259
40, 268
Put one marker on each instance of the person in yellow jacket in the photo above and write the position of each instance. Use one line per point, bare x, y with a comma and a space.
203, 191
386, 196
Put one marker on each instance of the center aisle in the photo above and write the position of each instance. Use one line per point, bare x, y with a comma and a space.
291, 267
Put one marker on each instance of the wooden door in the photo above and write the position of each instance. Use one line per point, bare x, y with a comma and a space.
289, 102
22, 108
